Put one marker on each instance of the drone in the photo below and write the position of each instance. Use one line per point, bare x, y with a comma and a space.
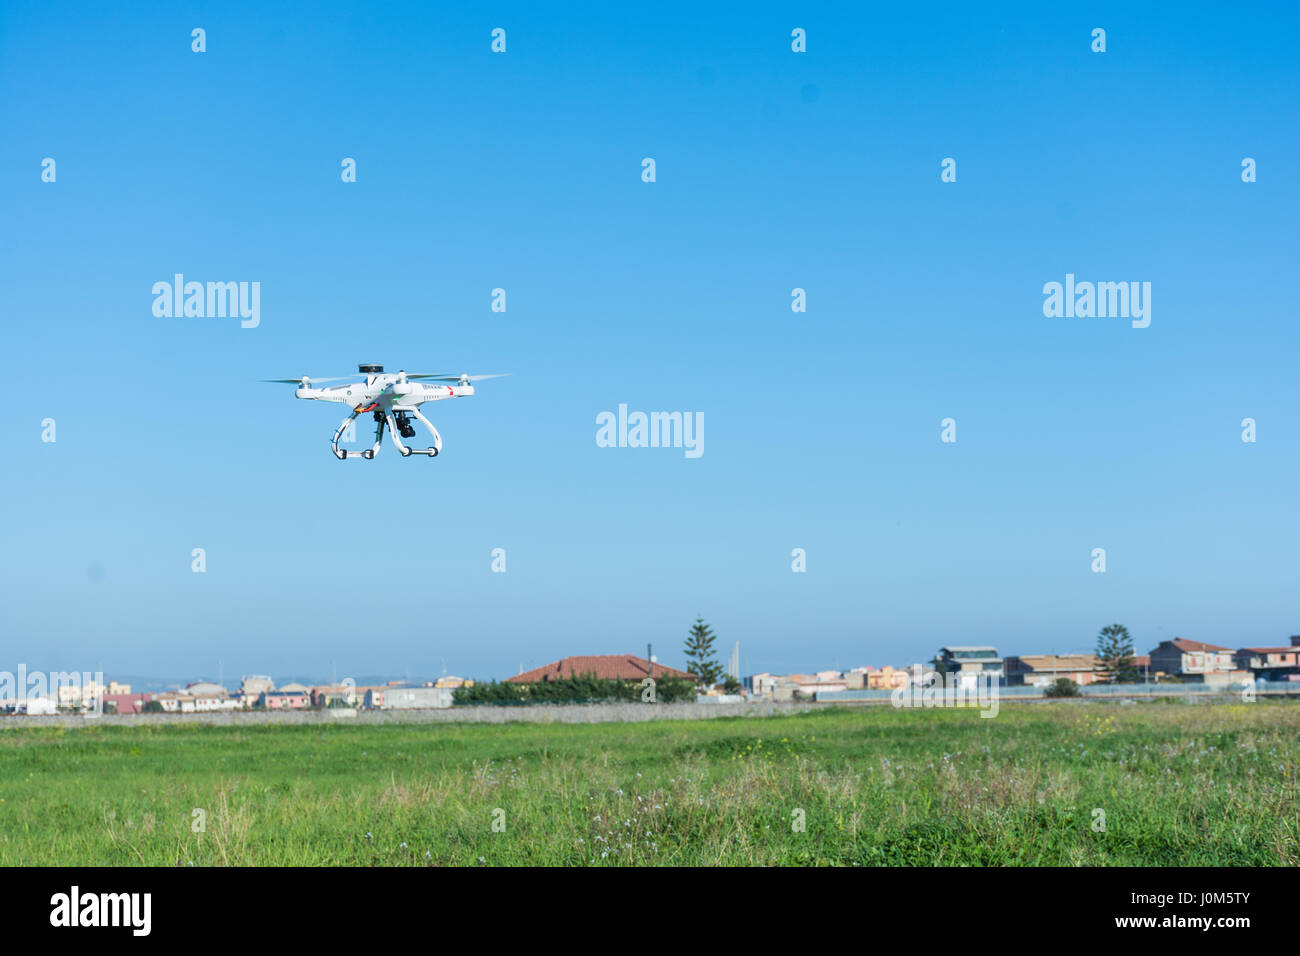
393, 400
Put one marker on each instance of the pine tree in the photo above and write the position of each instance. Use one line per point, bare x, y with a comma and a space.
1115, 651
700, 659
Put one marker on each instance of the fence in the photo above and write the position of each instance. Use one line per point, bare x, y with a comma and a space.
1005, 692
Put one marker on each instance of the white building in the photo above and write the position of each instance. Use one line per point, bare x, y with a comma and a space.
74, 691
761, 685
414, 698
254, 684
970, 664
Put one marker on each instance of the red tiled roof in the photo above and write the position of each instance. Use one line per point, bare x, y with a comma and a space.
128, 703
604, 666
1198, 646
1058, 661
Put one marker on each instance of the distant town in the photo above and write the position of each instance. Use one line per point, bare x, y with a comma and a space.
1172, 662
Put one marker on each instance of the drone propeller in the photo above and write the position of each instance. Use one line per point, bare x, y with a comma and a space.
303, 380
459, 378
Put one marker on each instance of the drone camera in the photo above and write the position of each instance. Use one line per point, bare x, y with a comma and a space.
404, 426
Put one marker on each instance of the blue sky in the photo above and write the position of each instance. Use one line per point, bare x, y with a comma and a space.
522, 170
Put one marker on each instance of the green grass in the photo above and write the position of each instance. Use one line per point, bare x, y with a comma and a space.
1186, 784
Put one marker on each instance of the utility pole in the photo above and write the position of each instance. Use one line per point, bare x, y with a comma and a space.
650, 659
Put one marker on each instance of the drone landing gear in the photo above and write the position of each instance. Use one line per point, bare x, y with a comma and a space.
400, 425
370, 452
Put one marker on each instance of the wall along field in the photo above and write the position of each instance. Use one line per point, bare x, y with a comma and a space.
1175, 783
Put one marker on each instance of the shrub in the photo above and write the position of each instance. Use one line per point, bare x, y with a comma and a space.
1064, 687
580, 689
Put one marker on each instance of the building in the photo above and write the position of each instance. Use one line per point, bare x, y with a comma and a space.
1039, 670
969, 662
176, 702
374, 697
285, 699
210, 696
252, 687
206, 703
1196, 661
76, 695
126, 703
887, 678
74, 690
334, 695
452, 681
415, 698
206, 687
1270, 663
785, 688
821, 681
364, 694
601, 666
789, 686
760, 685
875, 678
185, 702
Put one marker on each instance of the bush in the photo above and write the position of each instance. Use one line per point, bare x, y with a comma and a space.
153, 707
585, 689
1064, 687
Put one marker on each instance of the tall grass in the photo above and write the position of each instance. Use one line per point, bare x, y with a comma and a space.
1195, 784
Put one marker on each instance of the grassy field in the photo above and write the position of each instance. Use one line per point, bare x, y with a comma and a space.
1206, 784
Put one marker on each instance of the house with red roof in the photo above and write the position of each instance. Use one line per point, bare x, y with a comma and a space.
127, 703
1271, 663
1196, 661
603, 666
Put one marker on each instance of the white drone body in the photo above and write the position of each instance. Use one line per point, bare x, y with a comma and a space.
393, 399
